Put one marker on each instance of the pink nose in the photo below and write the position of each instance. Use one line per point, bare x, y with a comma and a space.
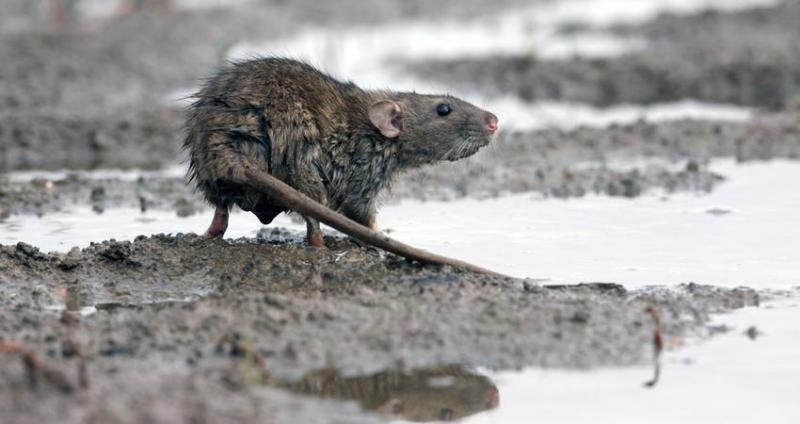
493, 398
491, 124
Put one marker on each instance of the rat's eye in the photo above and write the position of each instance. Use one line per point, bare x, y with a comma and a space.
443, 109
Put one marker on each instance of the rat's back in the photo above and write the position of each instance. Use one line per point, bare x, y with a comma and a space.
260, 112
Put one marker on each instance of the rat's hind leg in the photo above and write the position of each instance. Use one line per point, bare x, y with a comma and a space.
372, 223
219, 224
313, 233
363, 213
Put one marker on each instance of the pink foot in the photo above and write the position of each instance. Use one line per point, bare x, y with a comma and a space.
219, 224
315, 239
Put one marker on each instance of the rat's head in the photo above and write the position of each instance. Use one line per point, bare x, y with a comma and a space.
429, 128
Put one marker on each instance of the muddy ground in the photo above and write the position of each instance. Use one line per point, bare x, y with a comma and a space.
178, 328
181, 304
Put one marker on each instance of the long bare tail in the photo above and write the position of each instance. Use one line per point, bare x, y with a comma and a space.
294, 200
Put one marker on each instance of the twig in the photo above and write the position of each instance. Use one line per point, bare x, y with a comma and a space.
303, 204
70, 321
34, 366
658, 346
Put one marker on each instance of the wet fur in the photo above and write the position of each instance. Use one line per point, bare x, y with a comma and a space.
313, 132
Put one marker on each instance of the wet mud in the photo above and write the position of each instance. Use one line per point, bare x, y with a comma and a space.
215, 317
123, 138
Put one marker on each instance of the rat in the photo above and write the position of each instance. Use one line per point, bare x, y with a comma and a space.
332, 141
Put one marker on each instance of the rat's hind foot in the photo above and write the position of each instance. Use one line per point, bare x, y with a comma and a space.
219, 224
315, 240
313, 233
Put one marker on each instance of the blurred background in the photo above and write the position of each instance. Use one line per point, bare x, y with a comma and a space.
96, 73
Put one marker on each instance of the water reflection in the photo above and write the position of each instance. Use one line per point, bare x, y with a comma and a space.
439, 394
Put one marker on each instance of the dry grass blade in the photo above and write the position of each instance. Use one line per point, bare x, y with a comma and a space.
658, 346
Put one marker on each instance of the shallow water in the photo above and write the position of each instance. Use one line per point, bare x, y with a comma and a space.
372, 56
747, 374
60, 231
105, 9
729, 379
742, 233
97, 174
533, 29
525, 116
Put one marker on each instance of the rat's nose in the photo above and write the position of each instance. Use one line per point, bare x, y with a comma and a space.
491, 123
493, 398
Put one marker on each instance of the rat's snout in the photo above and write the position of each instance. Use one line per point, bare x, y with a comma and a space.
490, 124
493, 398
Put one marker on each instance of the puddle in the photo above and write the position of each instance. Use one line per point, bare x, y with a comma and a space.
650, 240
609, 12
441, 394
60, 231
731, 378
106, 9
534, 29
372, 57
342, 49
174, 171
759, 382
525, 116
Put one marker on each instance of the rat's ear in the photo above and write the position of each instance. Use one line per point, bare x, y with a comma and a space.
387, 118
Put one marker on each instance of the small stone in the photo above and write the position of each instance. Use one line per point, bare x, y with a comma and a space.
26, 249
117, 251
752, 332
68, 264
98, 194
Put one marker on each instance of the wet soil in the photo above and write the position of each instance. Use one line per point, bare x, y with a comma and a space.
41, 195
745, 58
197, 310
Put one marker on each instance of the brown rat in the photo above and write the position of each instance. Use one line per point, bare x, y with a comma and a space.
330, 140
